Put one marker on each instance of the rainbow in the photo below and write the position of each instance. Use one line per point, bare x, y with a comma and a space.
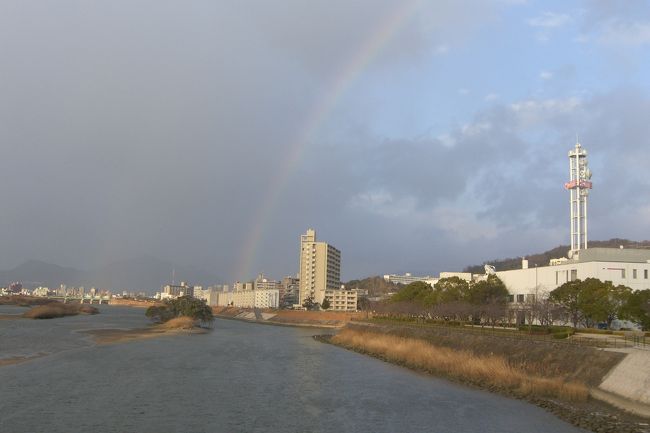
321, 111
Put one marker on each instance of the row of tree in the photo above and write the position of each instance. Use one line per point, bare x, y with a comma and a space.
579, 303
450, 299
591, 301
455, 290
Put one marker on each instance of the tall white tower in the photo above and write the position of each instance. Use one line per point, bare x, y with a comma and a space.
579, 185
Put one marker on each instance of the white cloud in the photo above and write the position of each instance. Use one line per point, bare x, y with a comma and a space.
462, 224
442, 49
474, 129
491, 97
549, 20
620, 32
545, 75
456, 221
565, 105
446, 140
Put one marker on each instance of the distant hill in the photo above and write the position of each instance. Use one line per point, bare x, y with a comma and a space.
375, 285
542, 259
36, 273
145, 274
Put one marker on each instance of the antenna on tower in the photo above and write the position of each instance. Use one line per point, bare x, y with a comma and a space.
579, 185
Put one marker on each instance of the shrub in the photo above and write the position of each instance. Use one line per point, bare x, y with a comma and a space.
188, 306
561, 335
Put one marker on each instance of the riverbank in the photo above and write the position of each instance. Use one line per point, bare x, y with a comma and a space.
176, 326
54, 310
18, 359
294, 318
24, 301
555, 377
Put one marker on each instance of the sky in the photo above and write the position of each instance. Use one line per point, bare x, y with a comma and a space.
415, 136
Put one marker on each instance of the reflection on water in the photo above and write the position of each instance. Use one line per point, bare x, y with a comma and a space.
239, 378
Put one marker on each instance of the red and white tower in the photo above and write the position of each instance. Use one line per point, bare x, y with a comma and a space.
579, 185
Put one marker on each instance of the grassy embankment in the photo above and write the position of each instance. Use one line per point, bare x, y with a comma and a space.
57, 309
517, 367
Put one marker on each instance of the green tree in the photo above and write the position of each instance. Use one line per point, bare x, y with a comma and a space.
453, 289
637, 308
568, 297
602, 301
418, 292
489, 298
326, 304
309, 303
488, 292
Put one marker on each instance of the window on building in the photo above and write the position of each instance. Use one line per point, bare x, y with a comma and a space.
511, 298
574, 274
557, 278
520, 298
645, 274
634, 274
622, 273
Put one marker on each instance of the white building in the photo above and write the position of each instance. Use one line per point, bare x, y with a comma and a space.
407, 278
629, 267
265, 298
342, 300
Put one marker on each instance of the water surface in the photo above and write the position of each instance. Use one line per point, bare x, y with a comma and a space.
241, 377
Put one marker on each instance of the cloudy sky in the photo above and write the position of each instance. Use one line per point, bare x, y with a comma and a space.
413, 135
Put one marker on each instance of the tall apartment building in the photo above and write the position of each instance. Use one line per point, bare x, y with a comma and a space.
290, 291
320, 268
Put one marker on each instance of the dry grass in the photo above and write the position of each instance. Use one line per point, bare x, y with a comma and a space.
58, 309
490, 371
550, 359
182, 322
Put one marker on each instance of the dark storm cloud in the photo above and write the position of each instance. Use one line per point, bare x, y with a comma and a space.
157, 128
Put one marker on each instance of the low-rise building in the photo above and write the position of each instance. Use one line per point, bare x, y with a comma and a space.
342, 300
629, 267
407, 278
265, 298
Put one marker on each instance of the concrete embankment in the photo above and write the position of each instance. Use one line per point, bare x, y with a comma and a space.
627, 385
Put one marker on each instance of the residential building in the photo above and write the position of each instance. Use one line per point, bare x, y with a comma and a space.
289, 292
262, 283
342, 300
173, 291
320, 268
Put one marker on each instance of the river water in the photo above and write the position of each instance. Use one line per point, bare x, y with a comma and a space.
240, 377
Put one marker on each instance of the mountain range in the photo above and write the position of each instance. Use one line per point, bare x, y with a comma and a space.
146, 274
542, 259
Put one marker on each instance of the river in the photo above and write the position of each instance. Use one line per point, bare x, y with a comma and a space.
240, 377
